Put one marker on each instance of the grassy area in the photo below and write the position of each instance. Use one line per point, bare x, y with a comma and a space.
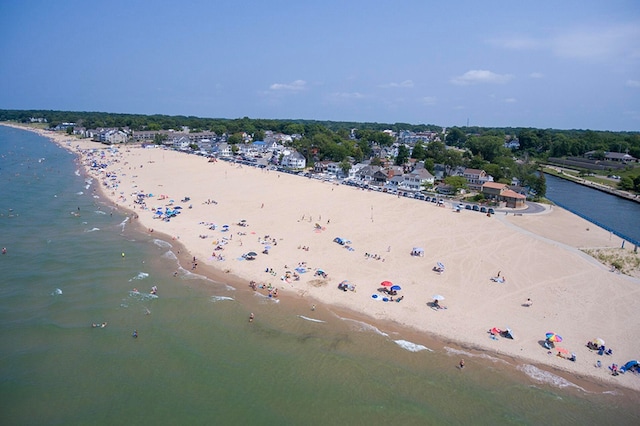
625, 261
575, 176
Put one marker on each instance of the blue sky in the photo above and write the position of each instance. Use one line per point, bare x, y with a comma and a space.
546, 64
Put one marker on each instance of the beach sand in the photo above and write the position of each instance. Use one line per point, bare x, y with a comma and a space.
539, 256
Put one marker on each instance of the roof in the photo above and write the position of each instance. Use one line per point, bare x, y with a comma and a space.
473, 172
494, 185
512, 194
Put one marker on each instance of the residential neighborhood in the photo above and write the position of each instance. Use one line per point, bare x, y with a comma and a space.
378, 173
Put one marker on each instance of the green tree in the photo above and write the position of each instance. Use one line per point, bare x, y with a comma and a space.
437, 151
293, 129
451, 160
418, 151
455, 137
403, 155
159, 138
456, 182
235, 139
488, 147
626, 183
345, 166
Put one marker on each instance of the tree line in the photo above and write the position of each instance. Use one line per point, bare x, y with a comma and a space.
480, 148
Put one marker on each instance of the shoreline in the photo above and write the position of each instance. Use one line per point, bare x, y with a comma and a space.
443, 327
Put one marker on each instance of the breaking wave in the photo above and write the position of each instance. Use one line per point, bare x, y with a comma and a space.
546, 377
310, 319
412, 347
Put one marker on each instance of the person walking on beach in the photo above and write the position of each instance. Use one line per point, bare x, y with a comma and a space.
461, 364
251, 317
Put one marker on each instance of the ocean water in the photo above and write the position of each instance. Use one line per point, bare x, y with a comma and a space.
72, 261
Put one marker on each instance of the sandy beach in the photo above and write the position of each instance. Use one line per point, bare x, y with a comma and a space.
295, 220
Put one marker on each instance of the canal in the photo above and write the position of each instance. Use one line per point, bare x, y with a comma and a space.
609, 211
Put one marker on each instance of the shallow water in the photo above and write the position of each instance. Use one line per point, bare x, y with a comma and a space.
197, 359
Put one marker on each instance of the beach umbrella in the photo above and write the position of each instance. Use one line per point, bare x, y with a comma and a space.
598, 341
437, 297
252, 253
440, 265
553, 337
386, 283
396, 288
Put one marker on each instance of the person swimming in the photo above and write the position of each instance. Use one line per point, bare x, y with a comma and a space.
135, 334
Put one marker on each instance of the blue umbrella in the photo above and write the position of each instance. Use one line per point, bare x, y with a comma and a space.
396, 288
440, 265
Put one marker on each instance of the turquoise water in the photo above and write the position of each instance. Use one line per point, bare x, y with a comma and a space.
197, 359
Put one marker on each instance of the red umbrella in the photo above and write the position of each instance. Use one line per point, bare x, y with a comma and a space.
386, 283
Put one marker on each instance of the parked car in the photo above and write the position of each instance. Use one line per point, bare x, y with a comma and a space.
467, 207
483, 209
491, 211
476, 208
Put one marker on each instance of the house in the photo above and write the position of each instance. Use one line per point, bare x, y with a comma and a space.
493, 190
500, 192
222, 149
293, 160
620, 157
321, 166
355, 170
395, 182
111, 136
445, 189
380, 177
334, 168
181, 142
417, 179
476, 178
366, 173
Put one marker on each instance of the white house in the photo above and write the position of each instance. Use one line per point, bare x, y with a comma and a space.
416, 180
222, 149
293, 160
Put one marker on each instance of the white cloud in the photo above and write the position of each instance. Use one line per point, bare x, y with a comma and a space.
536, 75
480, 76
346, 95
406, 83
633, 83
510, 100
600, 42
429, 100
295, 86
